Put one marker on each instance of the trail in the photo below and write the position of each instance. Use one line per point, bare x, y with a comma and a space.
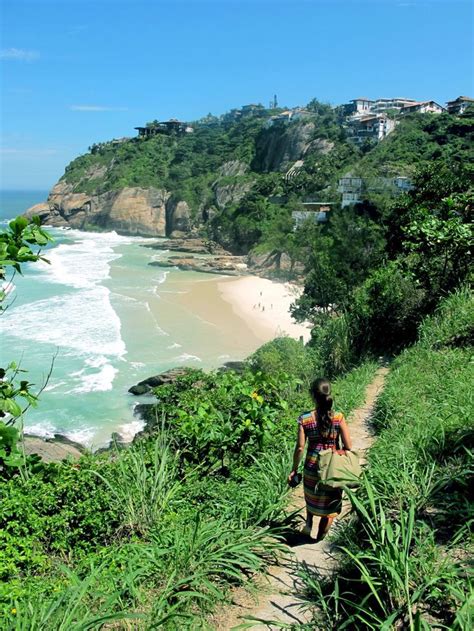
278, 598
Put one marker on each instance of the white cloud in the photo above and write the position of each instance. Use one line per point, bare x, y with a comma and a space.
19, 54
97, 108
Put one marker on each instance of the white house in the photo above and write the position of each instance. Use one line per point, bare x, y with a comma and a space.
424, 107
372, 128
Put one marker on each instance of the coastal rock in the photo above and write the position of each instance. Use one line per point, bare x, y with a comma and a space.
270, 263
52, 449
135, 211
233, 168
140, 211
146, 386
191, 246
229, 265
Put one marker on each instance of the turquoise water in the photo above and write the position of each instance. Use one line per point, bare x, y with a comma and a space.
103, 319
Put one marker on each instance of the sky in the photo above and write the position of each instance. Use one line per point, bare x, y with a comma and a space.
75, 72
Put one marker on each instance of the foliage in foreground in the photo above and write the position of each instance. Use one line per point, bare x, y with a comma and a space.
145, 532
405, 555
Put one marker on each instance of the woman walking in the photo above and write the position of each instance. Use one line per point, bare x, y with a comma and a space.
321, 428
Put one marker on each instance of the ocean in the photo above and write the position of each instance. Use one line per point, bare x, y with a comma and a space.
102, 319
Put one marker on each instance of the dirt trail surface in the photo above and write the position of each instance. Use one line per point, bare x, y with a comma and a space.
278, 596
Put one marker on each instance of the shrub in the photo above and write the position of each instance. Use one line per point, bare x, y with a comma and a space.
286, 356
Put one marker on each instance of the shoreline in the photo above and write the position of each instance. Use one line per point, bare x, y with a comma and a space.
227, 305
265, 306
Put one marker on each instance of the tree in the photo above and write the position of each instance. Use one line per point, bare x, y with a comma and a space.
15, 394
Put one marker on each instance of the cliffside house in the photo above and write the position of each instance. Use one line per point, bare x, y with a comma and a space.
172, 126
295, 114
459, 105
398, 103
424, 107
362, 106
354, 189
372, 128
315, 211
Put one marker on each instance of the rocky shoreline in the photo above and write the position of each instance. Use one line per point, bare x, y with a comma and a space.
60, 447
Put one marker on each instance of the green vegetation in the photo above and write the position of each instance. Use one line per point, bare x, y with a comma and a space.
405, 556
159, 531
154, 535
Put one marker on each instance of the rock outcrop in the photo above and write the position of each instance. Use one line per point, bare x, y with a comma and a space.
278, 149
229, 265
136, 211
190, 246
146, 386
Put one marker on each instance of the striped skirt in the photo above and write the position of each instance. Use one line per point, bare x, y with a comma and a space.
322, 502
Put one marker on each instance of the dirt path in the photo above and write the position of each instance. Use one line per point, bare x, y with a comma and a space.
278, 597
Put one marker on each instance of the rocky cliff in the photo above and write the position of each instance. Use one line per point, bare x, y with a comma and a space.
131, 210
178, 185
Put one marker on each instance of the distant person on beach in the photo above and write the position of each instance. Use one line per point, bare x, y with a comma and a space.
322, 428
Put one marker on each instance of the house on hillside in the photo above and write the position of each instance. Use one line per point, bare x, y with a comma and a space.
398, 103
315, 211
459, 105
353, 189
357, 107
372, 128
295, 114
424, 107
171, 126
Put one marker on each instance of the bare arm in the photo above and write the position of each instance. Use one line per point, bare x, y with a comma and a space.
346, 437
298, 453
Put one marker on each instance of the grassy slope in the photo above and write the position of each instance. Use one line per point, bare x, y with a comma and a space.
131, 535
408, 549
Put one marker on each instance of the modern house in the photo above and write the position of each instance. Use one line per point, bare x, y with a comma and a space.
384, 105
353, 188
371, 128
172, 126
424, 107
315, 211
295, 114
459, 105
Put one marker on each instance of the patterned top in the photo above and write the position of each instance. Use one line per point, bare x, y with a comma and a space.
316, 440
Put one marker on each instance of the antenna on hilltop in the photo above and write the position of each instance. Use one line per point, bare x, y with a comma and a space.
274, 102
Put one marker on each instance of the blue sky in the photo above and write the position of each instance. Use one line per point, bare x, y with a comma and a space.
76, 72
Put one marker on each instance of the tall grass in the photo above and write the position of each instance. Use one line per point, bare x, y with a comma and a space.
405, 552
144, 482
81, 606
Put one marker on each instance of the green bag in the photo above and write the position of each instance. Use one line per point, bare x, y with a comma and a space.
339, 469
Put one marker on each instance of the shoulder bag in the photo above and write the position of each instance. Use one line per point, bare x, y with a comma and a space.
339, 468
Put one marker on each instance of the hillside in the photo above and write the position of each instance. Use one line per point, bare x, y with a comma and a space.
237, 180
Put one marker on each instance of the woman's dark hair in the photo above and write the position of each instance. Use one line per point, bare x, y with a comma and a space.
321, 393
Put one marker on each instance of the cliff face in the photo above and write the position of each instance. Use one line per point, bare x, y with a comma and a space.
170, 185
131, 210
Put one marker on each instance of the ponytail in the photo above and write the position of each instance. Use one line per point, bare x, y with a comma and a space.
321, 393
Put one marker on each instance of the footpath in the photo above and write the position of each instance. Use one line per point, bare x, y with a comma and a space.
278, 599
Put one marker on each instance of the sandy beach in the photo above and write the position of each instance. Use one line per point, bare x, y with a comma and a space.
265, 306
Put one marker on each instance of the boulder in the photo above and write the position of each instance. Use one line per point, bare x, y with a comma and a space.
146, 386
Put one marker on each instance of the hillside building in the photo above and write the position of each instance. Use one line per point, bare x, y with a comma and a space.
172, 126
315, 211
371, 128
424, 107
295, 114
459, 105
353, 189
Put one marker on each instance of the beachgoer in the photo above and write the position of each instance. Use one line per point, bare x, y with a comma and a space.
321, 428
